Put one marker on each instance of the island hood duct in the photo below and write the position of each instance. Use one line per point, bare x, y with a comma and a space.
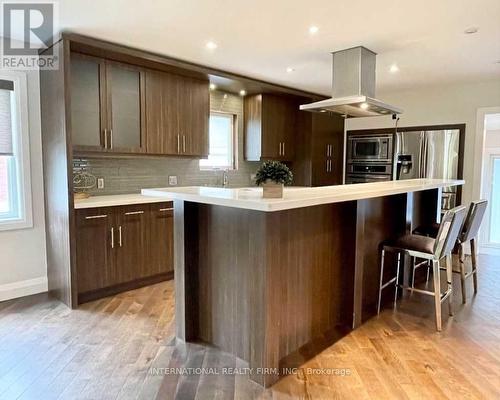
353, 87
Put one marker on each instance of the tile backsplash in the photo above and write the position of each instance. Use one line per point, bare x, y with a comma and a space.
130, 175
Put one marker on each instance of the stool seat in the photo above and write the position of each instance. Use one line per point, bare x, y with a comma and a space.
422, 244
430, 230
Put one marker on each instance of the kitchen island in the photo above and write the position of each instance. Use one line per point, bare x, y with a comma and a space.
273, 281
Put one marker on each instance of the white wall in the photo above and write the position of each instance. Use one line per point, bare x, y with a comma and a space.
23, 261
492, 138
450, 104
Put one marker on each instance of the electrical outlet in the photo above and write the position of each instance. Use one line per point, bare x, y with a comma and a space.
100, 183
172, 180
252, 177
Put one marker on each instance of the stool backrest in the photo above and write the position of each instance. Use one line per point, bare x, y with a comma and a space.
473, 220
450, 228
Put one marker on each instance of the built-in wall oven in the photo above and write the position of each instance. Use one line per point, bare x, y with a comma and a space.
369, 158
369, 148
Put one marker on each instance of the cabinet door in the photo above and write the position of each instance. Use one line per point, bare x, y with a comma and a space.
88, 103
130, 254
194, 114
162, 126
290, 110
94, 247
273, 126
278, 127
125, 101
160, 239
327, 149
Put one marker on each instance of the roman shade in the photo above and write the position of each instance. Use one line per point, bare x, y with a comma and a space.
6, 88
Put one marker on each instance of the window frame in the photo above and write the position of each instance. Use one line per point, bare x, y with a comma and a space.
234, 135
21, 156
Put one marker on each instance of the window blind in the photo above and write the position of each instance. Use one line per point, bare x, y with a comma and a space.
6, 88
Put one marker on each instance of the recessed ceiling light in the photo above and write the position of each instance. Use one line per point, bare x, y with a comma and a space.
364, 106
243, 92
471, 30
394, 68
211, 45
213, 86
313, 29
290, 69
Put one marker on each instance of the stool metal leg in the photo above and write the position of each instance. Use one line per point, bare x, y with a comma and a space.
449, 287
413, 261
461, 265
397, 278
382, 256
473, 251
437, 293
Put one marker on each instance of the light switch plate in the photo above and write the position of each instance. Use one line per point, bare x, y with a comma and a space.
100, 183
172, 180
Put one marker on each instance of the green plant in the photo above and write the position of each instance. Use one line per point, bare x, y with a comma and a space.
274, 171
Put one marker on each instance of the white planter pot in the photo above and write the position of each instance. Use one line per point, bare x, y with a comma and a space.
272, 190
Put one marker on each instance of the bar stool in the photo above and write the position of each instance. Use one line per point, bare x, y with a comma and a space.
468, 234
430, 249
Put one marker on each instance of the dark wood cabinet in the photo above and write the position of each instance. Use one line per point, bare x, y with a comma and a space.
107, 105
160, 244
270, 127
123, 247
177, 114
94, 248
320, 149
131, 258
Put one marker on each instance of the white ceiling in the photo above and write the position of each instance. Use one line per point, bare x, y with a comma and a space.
261, 38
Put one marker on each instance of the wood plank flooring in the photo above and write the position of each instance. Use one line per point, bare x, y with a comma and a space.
120, 348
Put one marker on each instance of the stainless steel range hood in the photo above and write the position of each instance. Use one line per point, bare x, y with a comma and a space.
353, 86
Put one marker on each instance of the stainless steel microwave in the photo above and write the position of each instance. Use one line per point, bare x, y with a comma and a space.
363, 148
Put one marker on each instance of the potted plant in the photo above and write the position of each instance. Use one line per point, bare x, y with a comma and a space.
272, 175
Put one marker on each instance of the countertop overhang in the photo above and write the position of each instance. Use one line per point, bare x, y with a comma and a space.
251, 198
118, 200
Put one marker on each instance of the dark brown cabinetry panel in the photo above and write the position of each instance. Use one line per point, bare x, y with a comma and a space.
94, 248
320, 149
270, 127
130, 256
107, 105
123, 247
177, 112
160, 243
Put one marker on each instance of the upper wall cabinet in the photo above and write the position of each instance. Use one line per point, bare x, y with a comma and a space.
270, 127
107, 106
177, 115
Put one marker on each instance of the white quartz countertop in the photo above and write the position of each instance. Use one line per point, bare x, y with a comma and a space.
296, 197
118, 200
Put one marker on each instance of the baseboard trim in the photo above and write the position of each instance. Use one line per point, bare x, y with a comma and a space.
28, 287
123, 287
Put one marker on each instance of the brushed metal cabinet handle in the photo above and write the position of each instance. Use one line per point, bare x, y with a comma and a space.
96, 216
283, 148
166, 209
330, 161
134, 212
183, 143
111, 138
326, 165
105, 138
280, 149
120, 235
178, 143
112, 238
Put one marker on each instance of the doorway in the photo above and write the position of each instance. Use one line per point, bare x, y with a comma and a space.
490, 234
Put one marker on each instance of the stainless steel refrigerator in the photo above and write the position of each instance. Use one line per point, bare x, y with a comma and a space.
428, 154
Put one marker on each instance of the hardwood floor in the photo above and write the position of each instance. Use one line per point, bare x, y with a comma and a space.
119, 348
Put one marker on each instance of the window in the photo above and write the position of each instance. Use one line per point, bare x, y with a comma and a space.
221, 142
15, 185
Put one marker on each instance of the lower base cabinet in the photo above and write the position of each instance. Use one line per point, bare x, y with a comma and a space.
122, 248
